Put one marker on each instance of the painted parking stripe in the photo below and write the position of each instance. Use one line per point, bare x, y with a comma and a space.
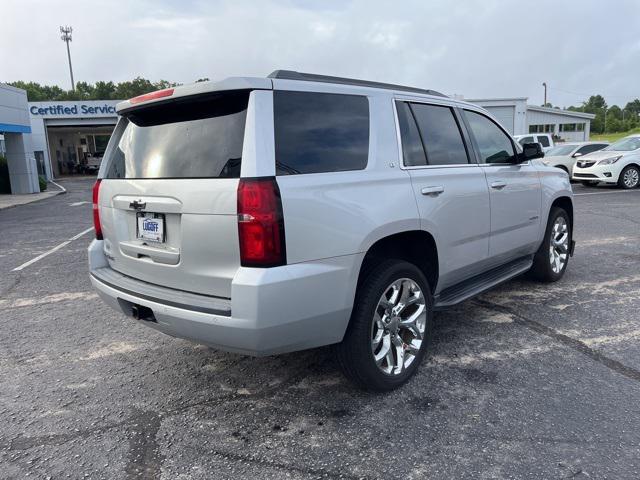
53, 250
605, 193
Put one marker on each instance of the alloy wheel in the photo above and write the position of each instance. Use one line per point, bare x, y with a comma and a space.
398, 326
631, 178
559, 244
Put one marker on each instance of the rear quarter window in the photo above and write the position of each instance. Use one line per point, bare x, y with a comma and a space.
320, 132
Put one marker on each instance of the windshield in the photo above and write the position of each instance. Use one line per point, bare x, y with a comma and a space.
561, 150
624, 145
197, 137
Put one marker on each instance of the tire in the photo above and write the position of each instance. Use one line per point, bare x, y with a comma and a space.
356, 353
629, 177
546, 261
588, 183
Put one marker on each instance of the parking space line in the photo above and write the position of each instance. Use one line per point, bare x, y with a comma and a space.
53, 250
605, 193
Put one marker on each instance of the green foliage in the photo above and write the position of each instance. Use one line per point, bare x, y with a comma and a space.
5, 184
43, 183
610, 119
87, 91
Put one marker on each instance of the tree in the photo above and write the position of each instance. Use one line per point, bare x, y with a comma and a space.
595, 103
614, 112
85, 91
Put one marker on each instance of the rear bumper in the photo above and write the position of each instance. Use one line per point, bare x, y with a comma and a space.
273, 310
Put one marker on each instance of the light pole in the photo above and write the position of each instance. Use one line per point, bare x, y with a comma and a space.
66, 38
544, 84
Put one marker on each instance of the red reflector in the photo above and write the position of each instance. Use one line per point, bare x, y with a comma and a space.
96, 211
152, 96
260, 223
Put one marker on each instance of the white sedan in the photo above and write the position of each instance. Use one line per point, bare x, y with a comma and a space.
619, 164
564, 155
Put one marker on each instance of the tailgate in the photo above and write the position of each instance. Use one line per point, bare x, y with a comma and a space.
167, 195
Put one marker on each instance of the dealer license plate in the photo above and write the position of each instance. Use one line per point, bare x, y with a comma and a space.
151, 227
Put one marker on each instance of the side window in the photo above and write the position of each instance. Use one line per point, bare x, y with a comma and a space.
440, 134
590, 148
544, 141
412, 150
320, 132
494, 145
524, 140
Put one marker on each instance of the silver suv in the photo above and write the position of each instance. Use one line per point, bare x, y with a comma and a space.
268, 215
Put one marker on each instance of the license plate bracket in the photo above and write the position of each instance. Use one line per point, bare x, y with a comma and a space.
150, 227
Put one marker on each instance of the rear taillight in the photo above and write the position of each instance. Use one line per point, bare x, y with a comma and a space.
96, 211
260, 223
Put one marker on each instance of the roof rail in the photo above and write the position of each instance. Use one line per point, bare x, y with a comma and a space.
311, 77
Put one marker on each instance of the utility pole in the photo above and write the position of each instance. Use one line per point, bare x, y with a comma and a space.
66, 38
544, 84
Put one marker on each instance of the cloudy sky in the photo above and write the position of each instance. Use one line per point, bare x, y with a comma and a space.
488, 48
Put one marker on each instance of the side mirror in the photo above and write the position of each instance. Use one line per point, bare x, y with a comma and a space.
576, 155
531, 151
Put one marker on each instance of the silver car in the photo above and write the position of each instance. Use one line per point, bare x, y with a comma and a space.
268, 215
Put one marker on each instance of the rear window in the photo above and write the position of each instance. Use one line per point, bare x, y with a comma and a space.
196, 137
320, 132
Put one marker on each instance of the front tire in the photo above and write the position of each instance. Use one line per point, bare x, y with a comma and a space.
629, 177
390, 328
552, 258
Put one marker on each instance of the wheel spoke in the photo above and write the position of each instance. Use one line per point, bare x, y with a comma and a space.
386, 347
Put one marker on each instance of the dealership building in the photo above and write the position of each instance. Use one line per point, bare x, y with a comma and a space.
519, 118
50, 139
65, 134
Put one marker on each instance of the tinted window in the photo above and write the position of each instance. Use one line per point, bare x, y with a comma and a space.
196, 137
494, 145
591, 148
440, 134
320, 132
524, 140
412, 150
544, 141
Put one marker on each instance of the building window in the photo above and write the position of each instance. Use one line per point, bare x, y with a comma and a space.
581, 127
568, 127
547, 128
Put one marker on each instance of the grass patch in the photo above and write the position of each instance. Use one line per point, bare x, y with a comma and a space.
613, 137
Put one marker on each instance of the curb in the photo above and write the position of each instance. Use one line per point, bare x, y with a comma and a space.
51, 195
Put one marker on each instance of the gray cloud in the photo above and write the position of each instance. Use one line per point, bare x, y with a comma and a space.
487, 48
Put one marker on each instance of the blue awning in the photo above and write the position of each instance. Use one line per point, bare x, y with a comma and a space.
11, 128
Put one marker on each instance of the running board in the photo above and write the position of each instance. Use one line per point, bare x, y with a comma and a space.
480, 283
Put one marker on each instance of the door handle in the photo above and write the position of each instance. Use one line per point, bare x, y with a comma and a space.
435, 190
498, 184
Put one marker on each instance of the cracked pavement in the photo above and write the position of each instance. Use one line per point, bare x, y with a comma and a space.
526, 381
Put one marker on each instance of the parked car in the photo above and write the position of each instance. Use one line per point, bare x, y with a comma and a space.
268, 215
544, 139
93, 164
564, 155
619, 163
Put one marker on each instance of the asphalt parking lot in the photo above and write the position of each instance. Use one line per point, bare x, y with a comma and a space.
527, 381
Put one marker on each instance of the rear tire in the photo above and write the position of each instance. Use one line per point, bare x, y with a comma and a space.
629, 177
552, 258
381, 349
